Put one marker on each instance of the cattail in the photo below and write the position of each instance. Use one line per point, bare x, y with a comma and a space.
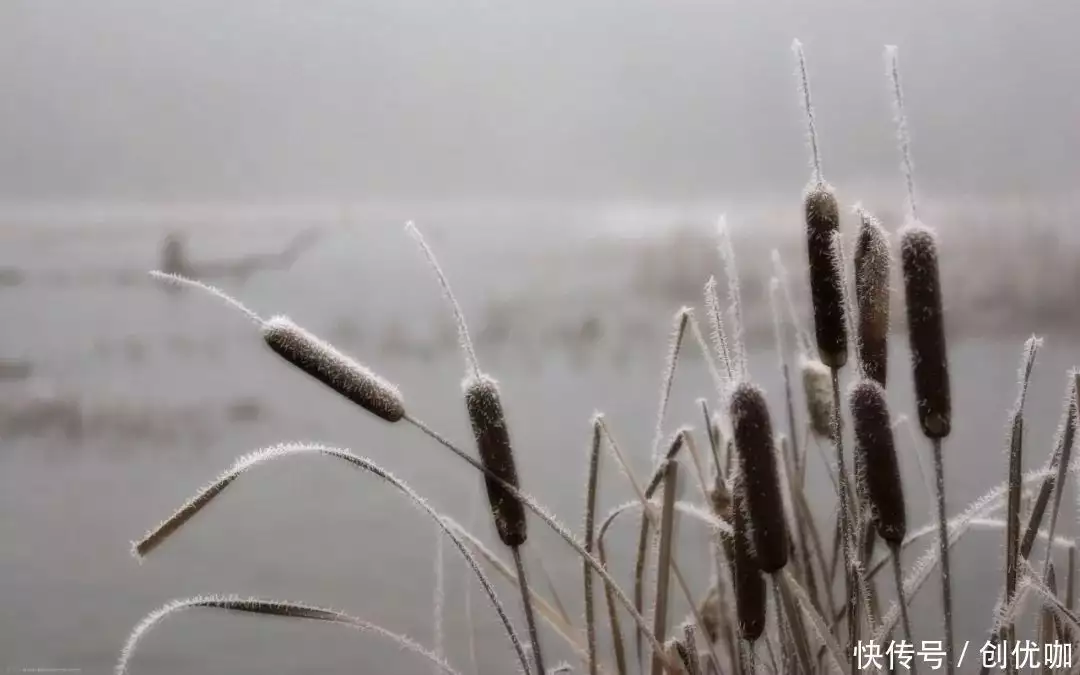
926, 329
326, 364
876, 454
872, 295
817, 388
749, 583
757, 460
826, 289
493, 442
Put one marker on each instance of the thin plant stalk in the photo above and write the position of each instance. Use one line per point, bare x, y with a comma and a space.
590, 524
643, 499
791, 627
663, 567
846, 526
527, 605
898, 575
439, 600
946, 583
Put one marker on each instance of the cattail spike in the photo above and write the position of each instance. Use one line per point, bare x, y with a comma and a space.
872, 268
826, 285
902, 135
876, 453
179, 280
808, 109
326, 364
493, 442
926, 329
757, 460
471, 362
750, 592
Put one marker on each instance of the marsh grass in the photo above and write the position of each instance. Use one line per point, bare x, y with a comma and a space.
752, 507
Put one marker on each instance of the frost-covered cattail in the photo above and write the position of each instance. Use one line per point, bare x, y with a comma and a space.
326, 364
926, 329
749, 584
872, 295
876, 453
826, 286
493, 441
757, 462
817, 388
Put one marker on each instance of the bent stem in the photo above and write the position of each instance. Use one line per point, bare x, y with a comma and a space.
277, 608
527, 606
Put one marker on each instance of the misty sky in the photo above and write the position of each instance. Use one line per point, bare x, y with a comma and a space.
174, 100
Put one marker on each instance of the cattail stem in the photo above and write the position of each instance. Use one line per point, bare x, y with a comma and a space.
663, 566
526, 604
590, 538
846, 526
943, 541
901, 600
791, 629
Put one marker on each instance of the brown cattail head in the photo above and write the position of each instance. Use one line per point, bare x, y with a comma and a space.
745, 575
493, 443
872, 295
757, 463
826, 285
817, 388
326, 364
926, 329
876, 454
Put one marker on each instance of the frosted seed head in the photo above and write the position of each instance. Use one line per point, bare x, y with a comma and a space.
757, 461
872, 266
926, 329
496, 454
876, 454
749, 583
822, 217
325, 363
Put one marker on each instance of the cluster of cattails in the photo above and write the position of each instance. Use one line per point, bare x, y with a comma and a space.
749, 496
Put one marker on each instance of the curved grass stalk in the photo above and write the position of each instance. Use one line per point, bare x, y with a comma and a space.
272, 608
158, 535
